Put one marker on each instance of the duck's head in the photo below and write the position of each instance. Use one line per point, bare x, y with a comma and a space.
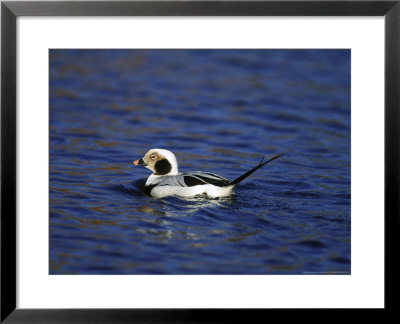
161, 162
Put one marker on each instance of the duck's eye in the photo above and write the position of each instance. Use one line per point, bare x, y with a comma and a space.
153, 156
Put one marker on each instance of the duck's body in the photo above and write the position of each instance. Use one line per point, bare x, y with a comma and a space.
188, 185
166, 180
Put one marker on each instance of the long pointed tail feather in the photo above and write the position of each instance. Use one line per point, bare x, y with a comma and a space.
260, 165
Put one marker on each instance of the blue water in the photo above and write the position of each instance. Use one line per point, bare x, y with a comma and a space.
218, 111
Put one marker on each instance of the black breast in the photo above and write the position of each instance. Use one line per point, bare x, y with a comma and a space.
147, 189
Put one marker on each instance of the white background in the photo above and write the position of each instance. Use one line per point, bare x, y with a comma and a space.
363, 288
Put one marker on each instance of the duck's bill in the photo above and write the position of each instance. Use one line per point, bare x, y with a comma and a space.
139, 162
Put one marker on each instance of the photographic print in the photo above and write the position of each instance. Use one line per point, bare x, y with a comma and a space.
196, 161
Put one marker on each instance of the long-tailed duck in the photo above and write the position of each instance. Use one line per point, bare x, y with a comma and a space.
166, 180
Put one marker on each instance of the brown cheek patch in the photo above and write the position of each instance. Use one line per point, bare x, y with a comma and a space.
162, 167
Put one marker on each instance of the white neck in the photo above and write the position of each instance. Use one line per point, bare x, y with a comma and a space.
174, 169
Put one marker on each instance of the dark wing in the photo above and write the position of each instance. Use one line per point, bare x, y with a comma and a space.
200, 178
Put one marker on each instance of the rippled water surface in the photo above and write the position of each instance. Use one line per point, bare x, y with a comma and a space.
218, 111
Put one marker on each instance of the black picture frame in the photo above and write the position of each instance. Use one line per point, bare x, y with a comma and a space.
10, 10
